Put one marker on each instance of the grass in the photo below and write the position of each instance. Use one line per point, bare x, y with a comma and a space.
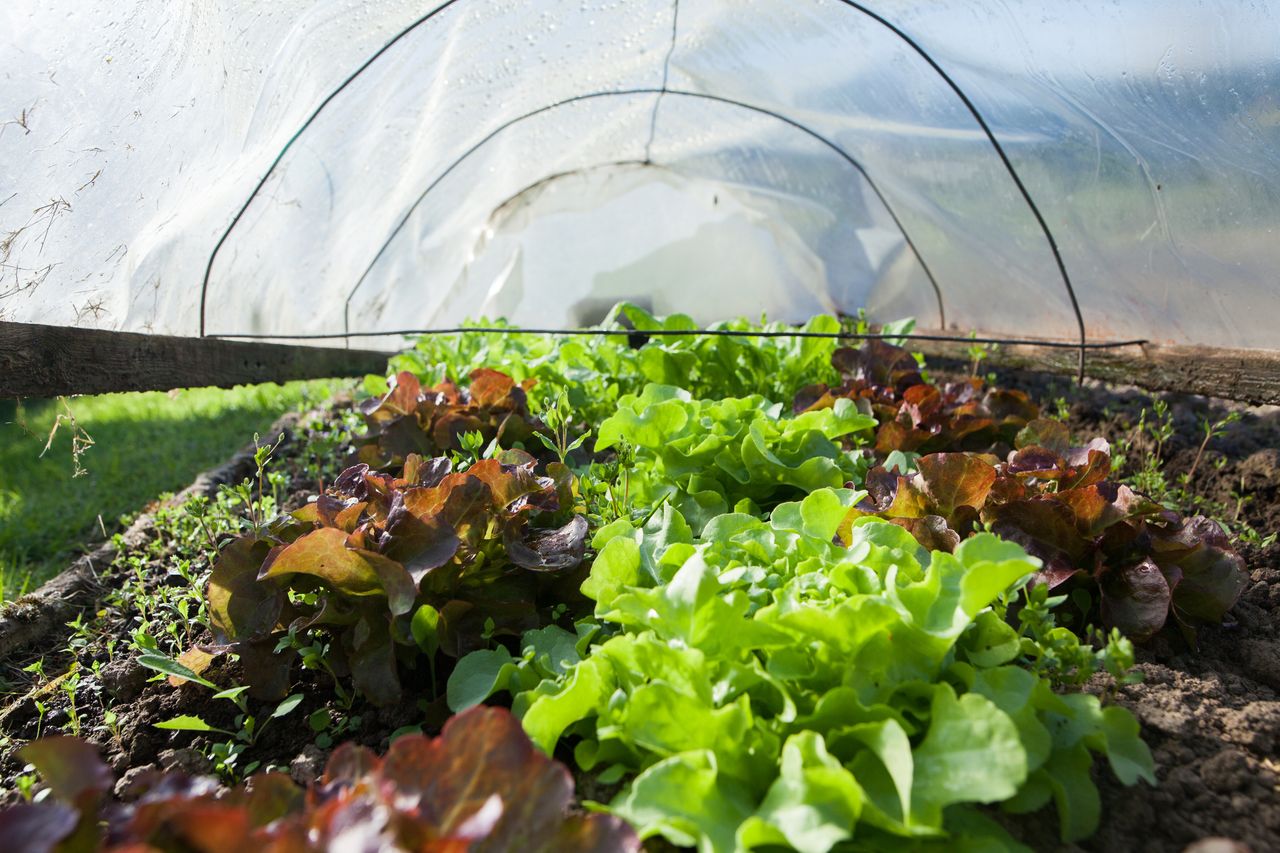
144, 444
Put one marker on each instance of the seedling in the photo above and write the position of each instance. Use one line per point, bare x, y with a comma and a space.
474, 449
36, 668
1212, 430
225, 754
111, 724
559, 420
198, 508
1150, 478
41, 711
313, 652
25, 782
608, 488
69, 685
978, 353
255, 505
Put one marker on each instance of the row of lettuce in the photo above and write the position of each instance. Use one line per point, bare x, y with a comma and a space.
776, 590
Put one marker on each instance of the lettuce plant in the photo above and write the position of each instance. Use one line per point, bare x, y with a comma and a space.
914, 415
1141, 562
432, 421
594, 372
763, 685
719, 366
479, 786
708, 456
389, 565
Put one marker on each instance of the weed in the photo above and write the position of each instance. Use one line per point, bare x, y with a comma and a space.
1061, 409
81, 441
328, 727
314, 653
111, 725
82, 634
978, 353
607, 488
257, 507
198, 508
36, 668
473, 449
25, 783
225, 755
558, 419
1057, 653
42, 710
1212, 430
325, 442
70, 685
1150, 478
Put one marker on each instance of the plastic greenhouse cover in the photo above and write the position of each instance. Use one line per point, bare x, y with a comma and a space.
332, 166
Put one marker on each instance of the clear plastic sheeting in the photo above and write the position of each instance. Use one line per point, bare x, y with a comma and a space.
337, 167
752, 206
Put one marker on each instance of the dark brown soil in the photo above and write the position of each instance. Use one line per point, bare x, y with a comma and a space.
1212, 715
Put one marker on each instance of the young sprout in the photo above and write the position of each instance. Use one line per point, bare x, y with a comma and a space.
69, 685
1212, 430
472, 443
558, 419
225, 754
978, 353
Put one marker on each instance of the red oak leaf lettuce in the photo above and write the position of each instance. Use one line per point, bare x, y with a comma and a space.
479, 786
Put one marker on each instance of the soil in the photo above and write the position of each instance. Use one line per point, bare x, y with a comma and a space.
1211, 715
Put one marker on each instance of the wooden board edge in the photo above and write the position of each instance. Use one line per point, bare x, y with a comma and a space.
47, 361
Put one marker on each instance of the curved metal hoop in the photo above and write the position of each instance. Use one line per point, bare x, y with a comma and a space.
852, 4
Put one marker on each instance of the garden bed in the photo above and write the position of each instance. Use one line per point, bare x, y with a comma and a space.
1211, 715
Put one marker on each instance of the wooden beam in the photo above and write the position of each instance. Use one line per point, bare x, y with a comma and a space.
46, 361
1248, 375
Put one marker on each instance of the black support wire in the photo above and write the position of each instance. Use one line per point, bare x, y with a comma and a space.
1004, 158
659, 333
208, 269
666, 75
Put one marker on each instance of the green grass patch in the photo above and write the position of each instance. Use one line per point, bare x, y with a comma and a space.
144, 444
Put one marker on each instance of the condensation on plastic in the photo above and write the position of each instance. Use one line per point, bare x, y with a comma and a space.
514, 158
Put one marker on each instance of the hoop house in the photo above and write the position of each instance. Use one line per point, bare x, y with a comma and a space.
696, 432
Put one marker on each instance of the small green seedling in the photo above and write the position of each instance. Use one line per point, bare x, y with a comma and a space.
225, 754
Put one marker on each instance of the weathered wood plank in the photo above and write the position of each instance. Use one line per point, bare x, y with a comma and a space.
46, 361
1248, 375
